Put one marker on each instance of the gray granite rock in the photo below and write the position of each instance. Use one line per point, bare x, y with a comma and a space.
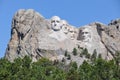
35, 36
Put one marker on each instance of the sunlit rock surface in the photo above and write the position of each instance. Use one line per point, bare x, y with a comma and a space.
35, 36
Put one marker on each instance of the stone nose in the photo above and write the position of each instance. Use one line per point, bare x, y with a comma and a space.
55, 24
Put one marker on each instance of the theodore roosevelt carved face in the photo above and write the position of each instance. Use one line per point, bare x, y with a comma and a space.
72, 33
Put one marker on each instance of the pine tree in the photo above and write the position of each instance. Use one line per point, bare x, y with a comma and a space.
74, 51
88, 56
94, 55
81, 55
66, 53
85, 51
69, 57
99, 56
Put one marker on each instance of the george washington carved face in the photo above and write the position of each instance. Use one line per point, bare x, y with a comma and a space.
55, 23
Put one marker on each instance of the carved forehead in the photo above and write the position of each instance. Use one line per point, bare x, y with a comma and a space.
64, 22
71, 28
85, 30
55, 18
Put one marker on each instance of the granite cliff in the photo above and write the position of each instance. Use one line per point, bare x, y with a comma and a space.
35, 36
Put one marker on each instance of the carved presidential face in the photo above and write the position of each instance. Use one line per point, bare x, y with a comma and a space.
72, 33
86, 35
55, 23
64, 26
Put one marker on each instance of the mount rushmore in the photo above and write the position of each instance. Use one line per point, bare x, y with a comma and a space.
35, 36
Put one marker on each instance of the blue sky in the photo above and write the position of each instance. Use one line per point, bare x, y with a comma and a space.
76, 12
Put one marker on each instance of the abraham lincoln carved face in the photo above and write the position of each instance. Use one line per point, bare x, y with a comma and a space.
86, 35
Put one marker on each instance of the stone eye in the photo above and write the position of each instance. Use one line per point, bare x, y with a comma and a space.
52, 21
65, 27
57, 21
86, 32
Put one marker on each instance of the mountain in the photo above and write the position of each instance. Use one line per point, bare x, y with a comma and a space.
35, 36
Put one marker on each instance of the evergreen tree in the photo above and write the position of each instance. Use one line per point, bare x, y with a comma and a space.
81, 55
85, 51
99, 56
85, 71
117, 57
26, 62
43, 69
66, 53
72, 73
5, 69
94, 56
74, 51
74, 65
88, 56
63, 60
68, 57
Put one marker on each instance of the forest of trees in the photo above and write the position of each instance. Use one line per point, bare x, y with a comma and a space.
43, 69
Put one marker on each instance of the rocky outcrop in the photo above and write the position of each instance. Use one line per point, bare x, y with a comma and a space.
31, 34
37, 37
111, 37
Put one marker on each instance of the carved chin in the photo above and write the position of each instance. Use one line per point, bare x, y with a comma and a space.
86, 40
56, 28
65, 32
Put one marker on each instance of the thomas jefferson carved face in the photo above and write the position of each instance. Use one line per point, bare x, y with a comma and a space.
55, 23
64, 25
86, 35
